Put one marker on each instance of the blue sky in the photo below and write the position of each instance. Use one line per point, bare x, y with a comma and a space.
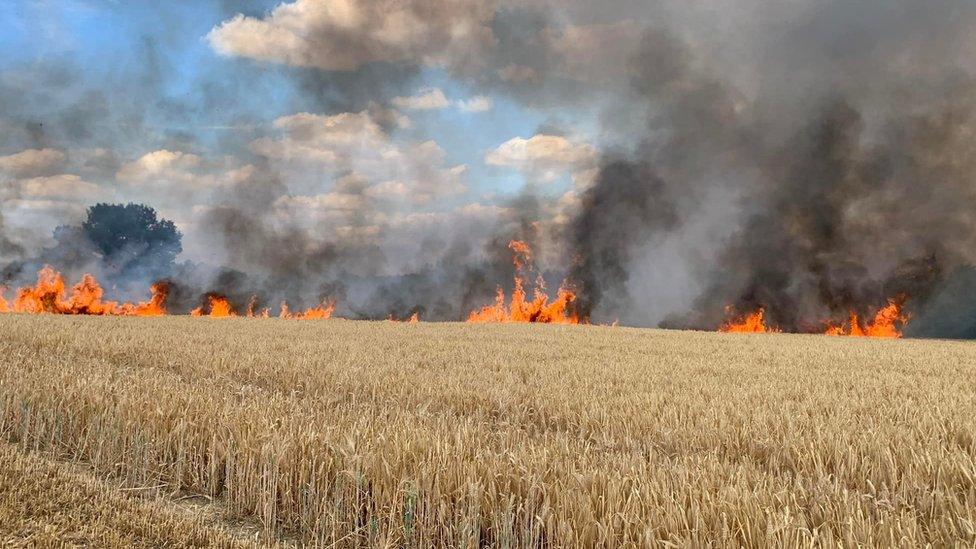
168, 104
164, 46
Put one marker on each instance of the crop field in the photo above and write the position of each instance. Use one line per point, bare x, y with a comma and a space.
235, 432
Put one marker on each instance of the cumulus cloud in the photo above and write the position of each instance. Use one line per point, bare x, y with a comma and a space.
32, 162
165, 170
544, 156
159, 164
429, 99
347, 34
434, 99
478, 103
355, 144
62, 187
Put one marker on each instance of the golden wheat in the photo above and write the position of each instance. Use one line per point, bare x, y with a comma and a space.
379, 433
48, 504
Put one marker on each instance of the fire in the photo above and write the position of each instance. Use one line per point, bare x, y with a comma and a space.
886, 323
413, 319
219, 308
323, 311
49, 295
539, 309
157, 305
263, 313
751, 323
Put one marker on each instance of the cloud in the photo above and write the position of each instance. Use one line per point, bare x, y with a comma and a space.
478, 103
59, 187
355, 144
543, 156
347, 34
161, 164
32, 162
165, 170
434, 99
429, 99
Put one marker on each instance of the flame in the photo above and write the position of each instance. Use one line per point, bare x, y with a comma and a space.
539, 309
48, 295
155, 306
219, 308
413, 319
250, 313
751, 323
885, 323
323, 311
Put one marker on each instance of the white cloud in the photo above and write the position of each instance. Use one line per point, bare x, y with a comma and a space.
161, 164
62, 187
429, 99
543, 156
346, 34
478, 103
32, 162
434, 99
166, 171
354, 143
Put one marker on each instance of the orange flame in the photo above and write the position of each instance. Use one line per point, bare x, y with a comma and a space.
219, 308
539, 309
885, 323
414, 318
250, 313
49, 296
323, 311
751, 323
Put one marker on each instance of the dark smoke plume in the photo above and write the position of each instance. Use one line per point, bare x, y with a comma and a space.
627, 203
854, 188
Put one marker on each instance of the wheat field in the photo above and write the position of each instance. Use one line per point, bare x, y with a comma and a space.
346, 434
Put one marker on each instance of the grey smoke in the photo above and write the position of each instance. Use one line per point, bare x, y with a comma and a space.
847, 153
809, 158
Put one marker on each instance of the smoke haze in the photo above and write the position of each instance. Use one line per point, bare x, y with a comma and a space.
674, 162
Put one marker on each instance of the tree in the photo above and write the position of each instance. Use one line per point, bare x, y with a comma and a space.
131, 237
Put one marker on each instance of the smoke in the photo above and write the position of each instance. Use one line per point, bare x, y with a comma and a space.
626, 205
9, 249
810, 158
846, 152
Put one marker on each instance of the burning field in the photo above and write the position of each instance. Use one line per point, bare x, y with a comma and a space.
514, 273
51, 296
351, 433
805, 169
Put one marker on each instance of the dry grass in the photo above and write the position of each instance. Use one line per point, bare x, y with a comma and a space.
44, 503
376, 433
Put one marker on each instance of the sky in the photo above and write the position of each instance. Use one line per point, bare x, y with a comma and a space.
670, 158
179, 118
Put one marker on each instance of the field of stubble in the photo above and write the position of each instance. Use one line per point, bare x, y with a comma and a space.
177, 431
